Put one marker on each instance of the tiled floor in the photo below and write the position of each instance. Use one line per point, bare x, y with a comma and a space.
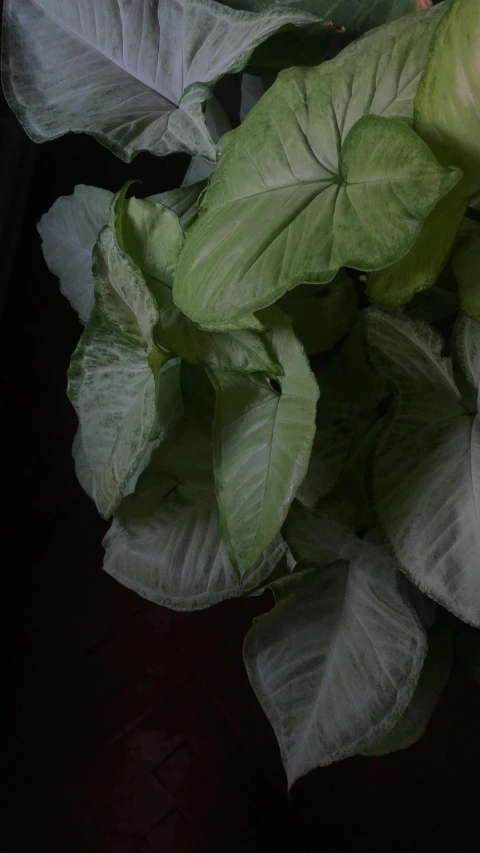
131, 729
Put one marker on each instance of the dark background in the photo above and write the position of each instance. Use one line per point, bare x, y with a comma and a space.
128, 728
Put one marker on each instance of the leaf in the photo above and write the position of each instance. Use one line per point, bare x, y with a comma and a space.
335, 663
151, 235
183, 201
321, 316
218, 124
433, 678
169, 417
334, 179
262, 439
422, 265
425, 478
357, 16
134, 75
164, 542
446, 105
69, 232
112, 375
466, 268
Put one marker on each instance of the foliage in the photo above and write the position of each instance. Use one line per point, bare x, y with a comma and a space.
246, 415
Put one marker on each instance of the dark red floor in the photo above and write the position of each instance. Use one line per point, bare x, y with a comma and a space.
130, 729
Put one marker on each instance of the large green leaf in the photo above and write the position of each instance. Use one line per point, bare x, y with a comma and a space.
319, 175
112, 375
262, 441
466, 267
426, 478
434, 675
69, 232
164, 542
152, 237
335, 663
135, 75
446, 105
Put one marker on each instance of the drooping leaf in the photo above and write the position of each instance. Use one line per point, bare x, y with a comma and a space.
446, 105
134, 75
321, 316
262, 440
152, 237
69, 231
164, 542
421, 266
335, 663
426, 477
113, 371
466, 268
329, 171
434, 676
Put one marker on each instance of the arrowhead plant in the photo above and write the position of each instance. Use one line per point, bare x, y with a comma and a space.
277, 383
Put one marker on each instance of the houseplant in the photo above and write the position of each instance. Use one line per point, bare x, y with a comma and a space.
277, 381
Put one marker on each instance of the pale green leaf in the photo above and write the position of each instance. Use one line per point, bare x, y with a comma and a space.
466, 268
426, 478
164, 542
262, 442
333, 179
69, 232
434, 676
112, 375
446, 106
135, 75
183, 201
322, 315
335, 663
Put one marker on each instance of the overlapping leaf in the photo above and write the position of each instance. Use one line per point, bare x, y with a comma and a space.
262, 440
426, 479
135, 75
324, 165
335, 663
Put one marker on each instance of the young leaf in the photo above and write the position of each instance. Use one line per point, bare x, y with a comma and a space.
151, 235
135, 75
466, 268
164, 542
112, 375
262, 441
411, 726
426, 480
69, 232
326, 169
183, 201
321, 316
446, 105
335, 663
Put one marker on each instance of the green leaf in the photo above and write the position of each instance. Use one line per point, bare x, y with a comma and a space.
168, 420
134, 75
152, 236
335, 663
69, 232
426, 480
433, 678
421, 266
111, 380
446, 105
331, 182
183, 201
262, 441
466, 268
321, 316
164, 542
